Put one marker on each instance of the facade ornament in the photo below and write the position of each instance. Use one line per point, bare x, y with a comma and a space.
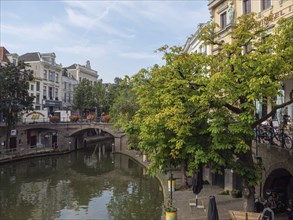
231, 13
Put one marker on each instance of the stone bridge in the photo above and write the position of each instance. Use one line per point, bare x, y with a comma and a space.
73, 134
277, 168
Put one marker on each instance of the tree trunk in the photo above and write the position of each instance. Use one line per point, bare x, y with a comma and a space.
248, 191
249, 198
183, 172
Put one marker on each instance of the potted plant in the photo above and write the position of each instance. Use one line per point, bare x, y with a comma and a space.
74, 118
106, 118
90, 117
54, 118
170, 211
236, 193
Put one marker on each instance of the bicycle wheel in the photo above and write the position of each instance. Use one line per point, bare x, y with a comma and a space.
287, 141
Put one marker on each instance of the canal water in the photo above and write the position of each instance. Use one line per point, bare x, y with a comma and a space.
87, 184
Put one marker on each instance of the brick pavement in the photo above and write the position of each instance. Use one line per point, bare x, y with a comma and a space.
183, 196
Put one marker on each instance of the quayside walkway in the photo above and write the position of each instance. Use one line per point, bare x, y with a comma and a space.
183, 196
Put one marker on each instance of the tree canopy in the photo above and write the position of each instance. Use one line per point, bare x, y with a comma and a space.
14, 85
14, 95
201, 109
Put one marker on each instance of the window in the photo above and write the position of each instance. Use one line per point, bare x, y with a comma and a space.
38, 86
45, 92
56, 94
246, 6
38, 99
51, 93
265, 4
45, 75
224, 20
32, 87
51, 75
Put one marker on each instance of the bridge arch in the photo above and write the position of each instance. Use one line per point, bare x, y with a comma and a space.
279, 181
72, 131
80, 130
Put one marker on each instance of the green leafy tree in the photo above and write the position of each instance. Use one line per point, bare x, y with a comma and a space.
83, 98
169, 125
14, 96
201, 109
113, 90
98, 96
124, 105
239, 78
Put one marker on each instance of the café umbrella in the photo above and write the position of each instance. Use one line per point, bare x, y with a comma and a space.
197, 183
212, 209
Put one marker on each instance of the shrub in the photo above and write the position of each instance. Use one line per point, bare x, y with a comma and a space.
106, 118
74, 118
90, 117
54, 118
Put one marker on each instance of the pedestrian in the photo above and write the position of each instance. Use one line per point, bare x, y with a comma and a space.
290, 209
268, 213
272, 203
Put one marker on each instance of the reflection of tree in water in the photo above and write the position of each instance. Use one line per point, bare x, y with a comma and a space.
9, 205
132, 198
41, 188
95, 159
86, 187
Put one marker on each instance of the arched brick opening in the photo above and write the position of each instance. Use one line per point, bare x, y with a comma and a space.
279, 182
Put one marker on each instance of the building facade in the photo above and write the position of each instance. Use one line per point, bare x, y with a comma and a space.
225, 14
80, 72
194, 45
47, 85
69, 83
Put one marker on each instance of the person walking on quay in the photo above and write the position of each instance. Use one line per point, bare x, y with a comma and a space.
268, 213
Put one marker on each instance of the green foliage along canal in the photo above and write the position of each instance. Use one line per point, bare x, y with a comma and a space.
88, 184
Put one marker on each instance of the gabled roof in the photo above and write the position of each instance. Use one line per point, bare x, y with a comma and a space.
35, 56
73, 66
3, 53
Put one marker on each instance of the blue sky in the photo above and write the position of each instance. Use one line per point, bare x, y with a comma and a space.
118, 37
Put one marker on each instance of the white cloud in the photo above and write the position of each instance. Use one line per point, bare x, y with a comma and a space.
116, 36
139, 55
97, 51
78, 19
47, 31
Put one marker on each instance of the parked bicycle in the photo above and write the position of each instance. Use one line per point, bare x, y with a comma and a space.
274, 136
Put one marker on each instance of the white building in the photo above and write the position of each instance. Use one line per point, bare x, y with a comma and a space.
46, 86
80, 72
69, 83
194, 45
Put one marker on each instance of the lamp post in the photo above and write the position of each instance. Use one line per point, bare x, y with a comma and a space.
259, 162
67, 118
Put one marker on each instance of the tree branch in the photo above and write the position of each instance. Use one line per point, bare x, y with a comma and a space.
274, 110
